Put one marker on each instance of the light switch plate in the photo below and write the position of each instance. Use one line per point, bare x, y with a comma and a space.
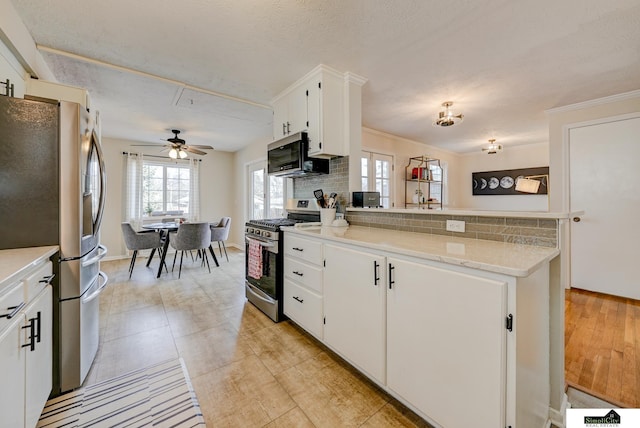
455, 226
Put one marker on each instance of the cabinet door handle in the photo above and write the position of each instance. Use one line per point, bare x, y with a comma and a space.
284, 129
298, 273
298, 299
39, 326
391, 281
14, 310
298, 249
47, 279
376, 276
32, 334
288, 130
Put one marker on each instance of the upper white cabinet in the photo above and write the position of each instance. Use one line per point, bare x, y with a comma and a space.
290, 113
317, 104
354, 307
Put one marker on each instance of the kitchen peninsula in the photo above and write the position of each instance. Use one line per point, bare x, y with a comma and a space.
441, 322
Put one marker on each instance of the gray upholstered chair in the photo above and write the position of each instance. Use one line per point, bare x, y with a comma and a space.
136, 241
220, 233
191, 236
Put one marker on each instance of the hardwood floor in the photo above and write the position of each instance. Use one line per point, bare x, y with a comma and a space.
602, 346
246, 370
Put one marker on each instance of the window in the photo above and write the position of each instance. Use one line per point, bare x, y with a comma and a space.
266, 193
376, 175
165, 187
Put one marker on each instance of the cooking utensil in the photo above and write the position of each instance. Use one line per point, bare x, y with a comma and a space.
332, 200
319, 195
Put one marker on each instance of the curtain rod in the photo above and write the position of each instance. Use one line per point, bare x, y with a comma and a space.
161, 157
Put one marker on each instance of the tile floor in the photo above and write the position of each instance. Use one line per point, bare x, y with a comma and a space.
246, 370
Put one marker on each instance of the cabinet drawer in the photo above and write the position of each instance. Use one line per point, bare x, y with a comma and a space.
38, 280
303, 273
303, 248
304, 307
11, 303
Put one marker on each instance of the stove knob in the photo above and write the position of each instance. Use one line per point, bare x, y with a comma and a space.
266, 234
249, 230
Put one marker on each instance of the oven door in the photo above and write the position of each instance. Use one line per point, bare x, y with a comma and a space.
263, 285
266, 281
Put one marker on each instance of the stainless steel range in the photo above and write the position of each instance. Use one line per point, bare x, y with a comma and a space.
264, 259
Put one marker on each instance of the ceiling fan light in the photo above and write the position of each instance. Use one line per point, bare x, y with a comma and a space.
173, 153
182, 154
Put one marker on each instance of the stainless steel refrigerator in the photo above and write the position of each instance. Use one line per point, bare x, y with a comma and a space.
52, 192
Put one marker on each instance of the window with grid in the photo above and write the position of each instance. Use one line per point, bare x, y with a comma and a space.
165, 187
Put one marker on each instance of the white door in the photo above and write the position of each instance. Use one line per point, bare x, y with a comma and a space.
267, 193
377, 172
605, 184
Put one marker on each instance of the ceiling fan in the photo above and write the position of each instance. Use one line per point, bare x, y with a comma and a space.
178, 148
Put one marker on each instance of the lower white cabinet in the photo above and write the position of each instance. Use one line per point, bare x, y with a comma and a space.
354, 307
446, 343
461, 347
26, 346
38, 347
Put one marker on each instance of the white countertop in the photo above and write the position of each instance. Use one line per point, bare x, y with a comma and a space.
478, 213
14, 262
499, 257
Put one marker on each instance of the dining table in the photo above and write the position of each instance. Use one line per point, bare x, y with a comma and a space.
166, 228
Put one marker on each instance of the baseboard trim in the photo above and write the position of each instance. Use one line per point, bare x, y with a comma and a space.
557, 417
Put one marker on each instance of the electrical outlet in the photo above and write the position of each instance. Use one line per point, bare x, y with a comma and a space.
455, 226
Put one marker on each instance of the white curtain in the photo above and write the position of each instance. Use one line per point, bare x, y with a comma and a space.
133, 189
194, 189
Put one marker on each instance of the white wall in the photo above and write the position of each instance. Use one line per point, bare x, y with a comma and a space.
216, 190
527, 156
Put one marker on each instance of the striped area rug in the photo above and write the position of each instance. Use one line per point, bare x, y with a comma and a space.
157, 396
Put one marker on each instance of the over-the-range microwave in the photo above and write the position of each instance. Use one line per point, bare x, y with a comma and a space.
288, 157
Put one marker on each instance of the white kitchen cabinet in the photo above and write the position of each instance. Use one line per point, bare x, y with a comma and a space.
446, 343
38, 348
26, 343
12, 362
303, 282
326, 126
354, 307
290, 112
317, 104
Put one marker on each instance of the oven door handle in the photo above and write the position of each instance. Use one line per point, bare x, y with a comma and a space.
265, 244
260, 294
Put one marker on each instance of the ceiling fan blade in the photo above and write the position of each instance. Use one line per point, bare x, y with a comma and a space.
198, 146
192, 150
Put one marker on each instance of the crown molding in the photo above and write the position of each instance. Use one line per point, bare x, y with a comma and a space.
594, 103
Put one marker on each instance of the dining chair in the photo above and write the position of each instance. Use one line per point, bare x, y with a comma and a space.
191, 236
220, 233
136, 241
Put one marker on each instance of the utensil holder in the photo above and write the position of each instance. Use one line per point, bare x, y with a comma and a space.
327, 215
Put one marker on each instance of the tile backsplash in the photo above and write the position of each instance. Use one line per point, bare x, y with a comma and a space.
336, 181
529, 231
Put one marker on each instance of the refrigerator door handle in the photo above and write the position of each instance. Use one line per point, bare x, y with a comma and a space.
96, 293
102, 251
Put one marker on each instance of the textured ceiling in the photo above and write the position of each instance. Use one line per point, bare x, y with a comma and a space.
501, 62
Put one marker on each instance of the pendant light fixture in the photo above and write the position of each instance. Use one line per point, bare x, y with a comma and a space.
446, 117
492, 148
